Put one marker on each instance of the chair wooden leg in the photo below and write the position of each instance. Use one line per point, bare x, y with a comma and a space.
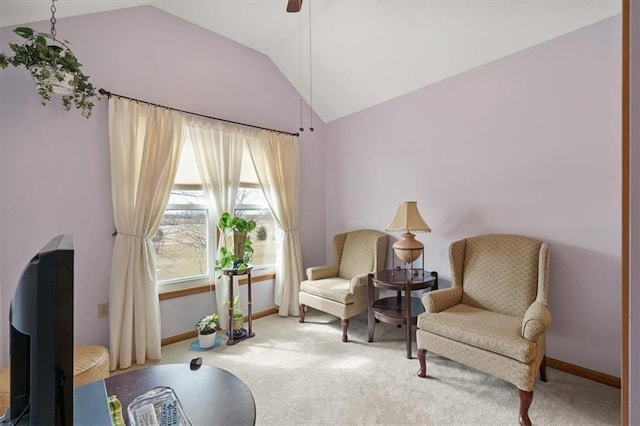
525, 403
422, 355
543, 369
345, 325
301, 310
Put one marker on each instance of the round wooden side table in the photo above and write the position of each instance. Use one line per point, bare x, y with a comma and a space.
402, 309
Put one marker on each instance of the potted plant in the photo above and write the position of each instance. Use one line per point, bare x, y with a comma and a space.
206, 329
238, 250
238, 315
54, 68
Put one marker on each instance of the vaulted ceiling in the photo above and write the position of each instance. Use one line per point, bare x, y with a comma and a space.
363, 52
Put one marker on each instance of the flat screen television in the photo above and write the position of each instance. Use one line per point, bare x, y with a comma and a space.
41, 338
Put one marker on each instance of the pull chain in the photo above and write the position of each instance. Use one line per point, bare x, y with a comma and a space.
310, 76
53, 18
301, 128
300, 64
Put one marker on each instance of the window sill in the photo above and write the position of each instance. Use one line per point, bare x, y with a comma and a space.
172, 291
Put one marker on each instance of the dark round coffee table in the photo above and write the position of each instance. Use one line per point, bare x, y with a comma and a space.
209, 395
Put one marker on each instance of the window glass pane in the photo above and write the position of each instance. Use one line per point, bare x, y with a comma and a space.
180, 245
187, 196
251, 197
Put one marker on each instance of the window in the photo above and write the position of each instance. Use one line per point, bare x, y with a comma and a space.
184, 245
183, 242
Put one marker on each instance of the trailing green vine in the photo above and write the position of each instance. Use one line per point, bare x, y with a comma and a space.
51, 61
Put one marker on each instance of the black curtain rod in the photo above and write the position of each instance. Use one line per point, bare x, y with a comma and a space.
109, 94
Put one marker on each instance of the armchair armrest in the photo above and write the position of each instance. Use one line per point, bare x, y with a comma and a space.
439, 300
320, 272
358, 281
536, 321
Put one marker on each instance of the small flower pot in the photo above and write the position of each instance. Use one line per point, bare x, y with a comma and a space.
235, 242
206, 340
237, 324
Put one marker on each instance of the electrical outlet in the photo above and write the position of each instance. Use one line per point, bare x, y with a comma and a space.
103, 310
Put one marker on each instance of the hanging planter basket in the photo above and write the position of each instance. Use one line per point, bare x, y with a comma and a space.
61, 82
54, 68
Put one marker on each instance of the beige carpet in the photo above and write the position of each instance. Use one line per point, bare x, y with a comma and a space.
303, 374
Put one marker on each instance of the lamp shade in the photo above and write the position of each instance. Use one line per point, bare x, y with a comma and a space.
408, 219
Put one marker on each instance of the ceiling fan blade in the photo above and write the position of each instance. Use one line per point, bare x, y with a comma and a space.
294, 5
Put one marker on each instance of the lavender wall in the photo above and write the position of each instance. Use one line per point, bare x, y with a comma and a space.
54, 168
528, 144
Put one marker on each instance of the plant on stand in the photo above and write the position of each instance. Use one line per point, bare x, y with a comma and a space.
235, 254
206, 329
238, 315
237, 251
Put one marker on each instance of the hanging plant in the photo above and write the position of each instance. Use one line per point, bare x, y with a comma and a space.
54, 68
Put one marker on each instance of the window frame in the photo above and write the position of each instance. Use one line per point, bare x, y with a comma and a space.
213, 235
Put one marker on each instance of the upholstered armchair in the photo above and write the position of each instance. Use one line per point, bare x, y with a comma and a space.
340, 289
494, 317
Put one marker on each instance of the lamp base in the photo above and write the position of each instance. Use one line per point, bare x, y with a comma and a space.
407, 248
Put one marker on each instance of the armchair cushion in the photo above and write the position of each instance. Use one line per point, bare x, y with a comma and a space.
491, 331
501, 273
335, 288
358, 254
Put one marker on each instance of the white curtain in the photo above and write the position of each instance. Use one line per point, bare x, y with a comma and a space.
276, 159
145, 146
218, 150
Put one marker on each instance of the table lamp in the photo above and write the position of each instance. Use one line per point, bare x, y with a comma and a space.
408, 219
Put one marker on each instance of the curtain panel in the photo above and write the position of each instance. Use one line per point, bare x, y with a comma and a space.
145, 143
217, 147
276, 159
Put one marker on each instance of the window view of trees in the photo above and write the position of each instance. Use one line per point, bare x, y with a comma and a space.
185, 235
180, 245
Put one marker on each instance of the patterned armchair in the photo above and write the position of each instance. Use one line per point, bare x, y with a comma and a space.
340, 289
494, 317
